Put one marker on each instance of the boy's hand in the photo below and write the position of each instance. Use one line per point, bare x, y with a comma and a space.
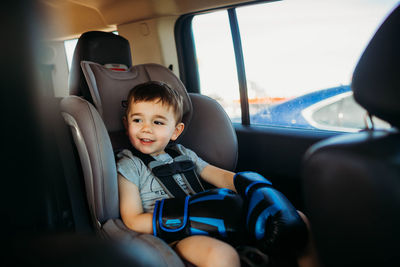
271, 219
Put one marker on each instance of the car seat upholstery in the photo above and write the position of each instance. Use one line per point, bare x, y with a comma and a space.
94, 113
352, 182
210, 133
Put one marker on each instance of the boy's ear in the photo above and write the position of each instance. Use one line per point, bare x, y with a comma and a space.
178, 130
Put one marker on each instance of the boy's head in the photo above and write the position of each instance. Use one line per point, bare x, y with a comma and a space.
153, 117
158, 92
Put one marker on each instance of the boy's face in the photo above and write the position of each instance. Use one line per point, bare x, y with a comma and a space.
150, 126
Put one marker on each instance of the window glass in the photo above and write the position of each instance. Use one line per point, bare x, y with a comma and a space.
298, 55
216, 61
339, 113
292, 48
69, 50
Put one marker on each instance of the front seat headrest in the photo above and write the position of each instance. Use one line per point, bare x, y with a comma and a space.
376, 83
100, 47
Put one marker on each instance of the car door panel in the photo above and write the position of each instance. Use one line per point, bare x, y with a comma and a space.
277, 153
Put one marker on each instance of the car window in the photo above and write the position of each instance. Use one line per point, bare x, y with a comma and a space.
298, 55
216, 61
69, 46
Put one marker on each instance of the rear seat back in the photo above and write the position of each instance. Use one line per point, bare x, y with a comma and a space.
100, 47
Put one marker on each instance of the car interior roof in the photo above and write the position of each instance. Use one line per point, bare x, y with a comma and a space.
69, 18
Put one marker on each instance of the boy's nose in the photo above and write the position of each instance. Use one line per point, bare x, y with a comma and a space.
146, 127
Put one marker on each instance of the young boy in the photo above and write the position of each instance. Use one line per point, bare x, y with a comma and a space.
152, 120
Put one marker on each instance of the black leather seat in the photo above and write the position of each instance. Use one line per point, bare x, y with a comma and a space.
352, 182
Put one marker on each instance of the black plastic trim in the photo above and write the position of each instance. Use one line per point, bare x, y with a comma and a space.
276, 142
241, 72
188, 68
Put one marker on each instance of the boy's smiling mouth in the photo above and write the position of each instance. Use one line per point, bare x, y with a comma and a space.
146, 141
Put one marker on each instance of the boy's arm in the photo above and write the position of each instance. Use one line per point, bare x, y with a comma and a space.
218, 177
131, 208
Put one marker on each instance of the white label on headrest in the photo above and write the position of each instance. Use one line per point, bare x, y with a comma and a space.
116, 67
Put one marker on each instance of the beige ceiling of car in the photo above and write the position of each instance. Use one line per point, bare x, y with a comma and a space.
69, 18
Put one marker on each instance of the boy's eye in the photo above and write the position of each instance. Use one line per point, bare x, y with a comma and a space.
158, 123
136, 120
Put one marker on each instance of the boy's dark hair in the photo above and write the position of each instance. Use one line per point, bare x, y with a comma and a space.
154, 90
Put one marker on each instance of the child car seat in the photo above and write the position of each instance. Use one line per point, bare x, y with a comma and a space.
94, 113
95, 151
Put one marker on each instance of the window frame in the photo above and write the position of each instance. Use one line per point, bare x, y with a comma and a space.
186, 50
189, 71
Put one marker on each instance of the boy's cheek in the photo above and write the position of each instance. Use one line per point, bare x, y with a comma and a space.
129, 132
132, 140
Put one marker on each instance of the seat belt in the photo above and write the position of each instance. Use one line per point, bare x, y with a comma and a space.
164, 173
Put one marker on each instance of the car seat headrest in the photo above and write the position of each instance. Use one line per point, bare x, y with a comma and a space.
109, 89
100, 47
376, 80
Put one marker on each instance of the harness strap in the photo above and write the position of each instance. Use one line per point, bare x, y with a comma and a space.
190, 176
172, 152
164, 173
170, 186
193, 181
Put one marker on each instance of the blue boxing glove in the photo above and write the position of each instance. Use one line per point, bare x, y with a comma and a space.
215, 212
271, 220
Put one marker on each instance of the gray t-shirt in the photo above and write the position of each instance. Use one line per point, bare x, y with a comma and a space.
133, 169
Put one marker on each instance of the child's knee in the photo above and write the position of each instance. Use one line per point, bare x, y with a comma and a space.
204, 251
223, 255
